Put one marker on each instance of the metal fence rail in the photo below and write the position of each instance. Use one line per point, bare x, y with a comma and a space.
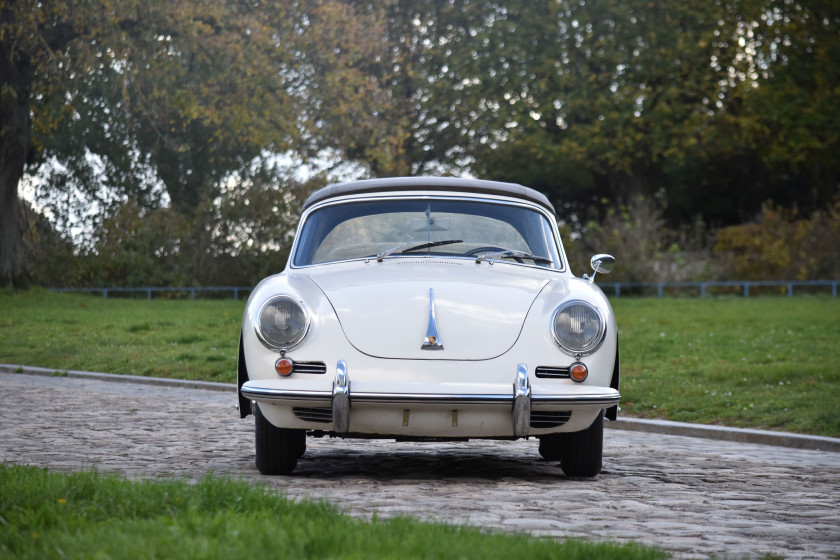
745, 285
615, 287
235, 290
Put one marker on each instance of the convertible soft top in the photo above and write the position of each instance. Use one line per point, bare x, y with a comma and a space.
429, 184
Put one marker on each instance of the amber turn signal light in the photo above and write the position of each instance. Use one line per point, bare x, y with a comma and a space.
284, 366
578, 372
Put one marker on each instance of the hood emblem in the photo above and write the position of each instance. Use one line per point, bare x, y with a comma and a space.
432, 340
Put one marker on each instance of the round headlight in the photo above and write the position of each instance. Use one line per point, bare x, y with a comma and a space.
578, 327
282, 323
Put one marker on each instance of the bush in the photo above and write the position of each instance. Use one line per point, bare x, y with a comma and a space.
138, 247
646, 250
779, 245
50, 257
236, 239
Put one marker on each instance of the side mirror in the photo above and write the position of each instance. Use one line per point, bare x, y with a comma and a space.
601, 263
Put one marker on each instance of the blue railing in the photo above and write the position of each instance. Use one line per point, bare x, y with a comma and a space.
612, 288
704, 287
235, 290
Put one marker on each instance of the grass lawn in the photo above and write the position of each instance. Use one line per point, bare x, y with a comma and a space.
768, 362
86, 515
187, 339
763, 362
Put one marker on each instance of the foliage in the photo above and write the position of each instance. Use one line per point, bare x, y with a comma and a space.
90, 515
113, 101
702, 104
619, 99
712, 108
646, 250
133, 246
235, 240
777, 135
609, 95
137, 247
780, 245
253, 223
374, 85
49, 253
175, 90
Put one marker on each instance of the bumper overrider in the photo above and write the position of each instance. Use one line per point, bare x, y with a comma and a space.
341, 399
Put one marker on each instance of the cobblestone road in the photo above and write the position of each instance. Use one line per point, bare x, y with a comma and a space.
694, 497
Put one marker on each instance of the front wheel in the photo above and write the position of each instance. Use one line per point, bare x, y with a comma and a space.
278, 449
581, 452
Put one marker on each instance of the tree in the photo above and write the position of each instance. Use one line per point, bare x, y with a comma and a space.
207, 92
15, 90
711, 108
719, 105
360, 82
778, 134
607, 95
389, 83
180, 92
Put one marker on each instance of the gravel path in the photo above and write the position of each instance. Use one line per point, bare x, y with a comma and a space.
695, 497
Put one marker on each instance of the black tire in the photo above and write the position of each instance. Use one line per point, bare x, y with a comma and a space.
550, 447
581, 452
278, 449
301, 444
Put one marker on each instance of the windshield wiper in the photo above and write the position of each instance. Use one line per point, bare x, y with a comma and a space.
419, 247
431, 244
513, 254
390, 251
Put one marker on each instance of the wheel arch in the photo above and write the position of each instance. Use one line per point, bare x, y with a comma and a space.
612, 412
241, 378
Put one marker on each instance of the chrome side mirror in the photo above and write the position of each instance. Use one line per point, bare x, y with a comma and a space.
600, 263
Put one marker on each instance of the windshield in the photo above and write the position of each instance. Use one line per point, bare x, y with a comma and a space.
427, 227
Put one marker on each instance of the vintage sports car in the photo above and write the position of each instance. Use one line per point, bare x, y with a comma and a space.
429, 309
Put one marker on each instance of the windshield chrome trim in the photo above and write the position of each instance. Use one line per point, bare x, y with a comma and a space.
552, 220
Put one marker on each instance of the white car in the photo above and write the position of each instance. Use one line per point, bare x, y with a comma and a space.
429, 309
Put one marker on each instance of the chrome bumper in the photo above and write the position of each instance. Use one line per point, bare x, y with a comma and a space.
340, 399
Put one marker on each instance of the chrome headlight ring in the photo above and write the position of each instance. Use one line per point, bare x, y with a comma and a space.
282, 322
578, 327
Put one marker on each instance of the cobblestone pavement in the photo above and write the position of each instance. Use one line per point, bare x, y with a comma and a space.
694, 497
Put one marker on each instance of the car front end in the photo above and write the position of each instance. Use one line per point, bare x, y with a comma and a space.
446, 336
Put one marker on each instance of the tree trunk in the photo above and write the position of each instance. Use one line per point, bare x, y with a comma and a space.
15, 88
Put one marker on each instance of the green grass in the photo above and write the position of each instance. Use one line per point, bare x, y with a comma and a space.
769, 362
762, 362
160, 338
87, 515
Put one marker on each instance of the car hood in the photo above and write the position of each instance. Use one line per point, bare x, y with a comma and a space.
384, 307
